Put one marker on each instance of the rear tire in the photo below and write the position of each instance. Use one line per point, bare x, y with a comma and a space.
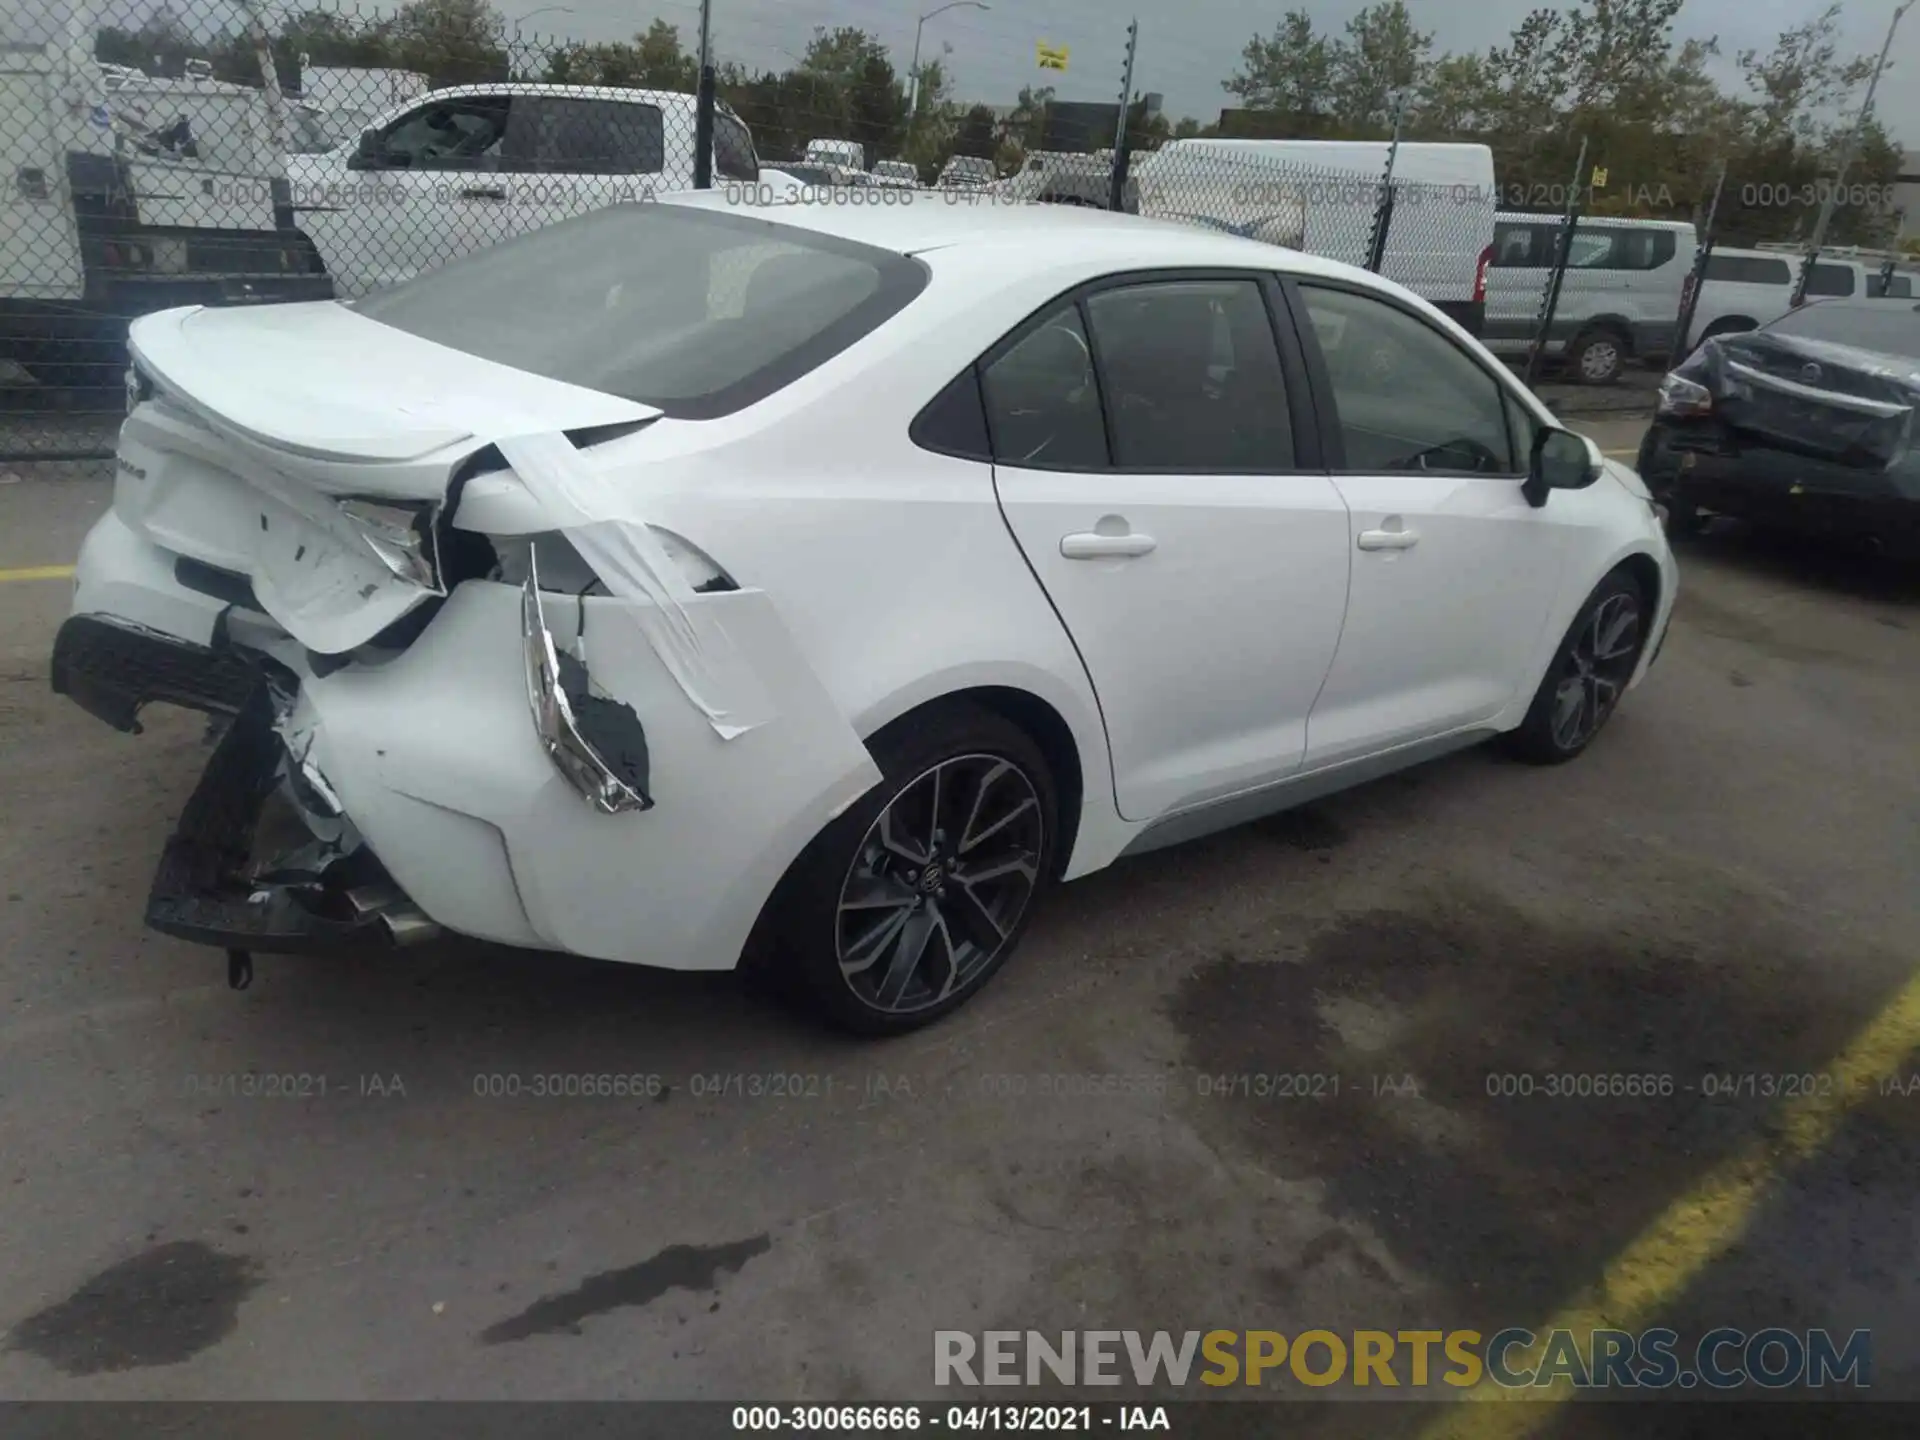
878, 927
1597, 357
1587, 676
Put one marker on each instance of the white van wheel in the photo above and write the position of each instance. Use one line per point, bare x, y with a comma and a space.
1597, 358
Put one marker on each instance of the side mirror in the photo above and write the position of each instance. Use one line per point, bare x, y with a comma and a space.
1561, 460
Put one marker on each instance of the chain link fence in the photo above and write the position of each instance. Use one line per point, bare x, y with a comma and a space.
225, 152
228, 152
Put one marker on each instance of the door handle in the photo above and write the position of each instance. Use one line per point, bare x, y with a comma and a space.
1090, 545
1389, 539
484, 192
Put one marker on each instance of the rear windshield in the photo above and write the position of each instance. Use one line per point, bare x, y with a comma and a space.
1886, 328
690, 311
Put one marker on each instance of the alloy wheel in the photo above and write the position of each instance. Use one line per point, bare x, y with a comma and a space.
1595, 669
940, 882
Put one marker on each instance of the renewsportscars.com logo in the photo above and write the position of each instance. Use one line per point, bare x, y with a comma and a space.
1655, 1359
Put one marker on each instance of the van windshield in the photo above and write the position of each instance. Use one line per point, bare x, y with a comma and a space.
694, 312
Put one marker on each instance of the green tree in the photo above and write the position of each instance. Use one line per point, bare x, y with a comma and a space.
452, 42
651, 61
1289, 73
1383, 55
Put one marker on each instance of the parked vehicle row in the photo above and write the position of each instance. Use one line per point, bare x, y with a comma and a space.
820, 586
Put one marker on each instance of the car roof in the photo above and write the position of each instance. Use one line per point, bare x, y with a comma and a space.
1618, 222
929, 220
668, 99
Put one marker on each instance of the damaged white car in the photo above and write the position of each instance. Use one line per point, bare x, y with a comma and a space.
834, 580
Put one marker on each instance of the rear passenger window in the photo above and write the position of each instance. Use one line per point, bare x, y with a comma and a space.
1190, 374
567, 136
1899, 287
1830, 280
1043, 404
1748, 270
1609, 248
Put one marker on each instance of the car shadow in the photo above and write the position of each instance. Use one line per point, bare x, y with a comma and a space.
1839, 567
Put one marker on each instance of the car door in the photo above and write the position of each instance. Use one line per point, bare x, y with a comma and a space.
413, 197
566, 155
1155, 461
1454, 573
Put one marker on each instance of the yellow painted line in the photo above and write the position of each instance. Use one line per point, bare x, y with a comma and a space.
1622, 454
38, 572
1697, 1229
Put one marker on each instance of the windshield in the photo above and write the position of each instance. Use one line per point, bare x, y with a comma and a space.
694, 312
1889, 327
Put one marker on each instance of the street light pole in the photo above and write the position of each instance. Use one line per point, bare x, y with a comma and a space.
913, 69
1846, 158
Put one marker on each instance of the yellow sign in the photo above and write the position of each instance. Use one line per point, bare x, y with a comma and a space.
1049, 57
1599, 178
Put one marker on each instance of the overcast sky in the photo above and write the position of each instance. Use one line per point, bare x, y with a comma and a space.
1187, 47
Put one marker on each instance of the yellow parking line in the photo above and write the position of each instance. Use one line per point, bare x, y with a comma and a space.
38, 572
1698, 1228
1621, 454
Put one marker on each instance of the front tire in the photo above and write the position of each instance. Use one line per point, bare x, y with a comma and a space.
1588, 675
905, 906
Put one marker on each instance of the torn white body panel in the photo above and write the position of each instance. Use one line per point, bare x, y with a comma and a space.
603, 522
434, 756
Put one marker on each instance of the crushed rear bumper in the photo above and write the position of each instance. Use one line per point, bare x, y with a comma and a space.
255, 862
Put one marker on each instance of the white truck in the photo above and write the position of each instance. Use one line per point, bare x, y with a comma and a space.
121, 195
466, 167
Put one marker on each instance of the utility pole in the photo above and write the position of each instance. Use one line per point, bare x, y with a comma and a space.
1846, 159
703, 104
913, 69
1550, 300
1691, 301
1117, 185
1383, 209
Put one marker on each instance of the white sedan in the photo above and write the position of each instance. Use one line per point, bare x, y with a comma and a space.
822, 584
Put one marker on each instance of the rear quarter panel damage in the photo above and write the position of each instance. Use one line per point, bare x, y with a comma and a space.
441, 738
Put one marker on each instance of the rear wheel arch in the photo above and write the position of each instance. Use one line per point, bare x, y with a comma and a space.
1041, 723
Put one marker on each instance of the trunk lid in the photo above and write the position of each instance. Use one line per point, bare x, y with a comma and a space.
304, 449
1814, 397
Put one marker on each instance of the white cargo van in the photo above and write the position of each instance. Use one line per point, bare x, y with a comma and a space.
1745, 289
1320, 196
1619, 300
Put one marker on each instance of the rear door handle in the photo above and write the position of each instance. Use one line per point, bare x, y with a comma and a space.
1090, 545
484, 192
1389, 539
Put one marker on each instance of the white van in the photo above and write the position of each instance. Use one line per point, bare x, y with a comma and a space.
1745, 289
1320, 196
1619, 300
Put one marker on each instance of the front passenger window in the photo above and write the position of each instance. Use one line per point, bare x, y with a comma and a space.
1043, 405
1407, 397
448, 135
